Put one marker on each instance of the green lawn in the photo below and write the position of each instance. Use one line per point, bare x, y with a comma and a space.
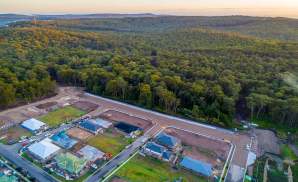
62, 115
110, 142
148, 169
287, 153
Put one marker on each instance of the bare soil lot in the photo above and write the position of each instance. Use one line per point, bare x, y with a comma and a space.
200, 147
47, 105
85, 106
133, 120
79, 133
13, 134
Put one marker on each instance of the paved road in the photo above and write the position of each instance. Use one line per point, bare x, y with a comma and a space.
112, 164
9, 154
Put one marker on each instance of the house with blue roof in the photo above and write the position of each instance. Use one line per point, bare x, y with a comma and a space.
158, 151
196, 166
168, 141
91, 126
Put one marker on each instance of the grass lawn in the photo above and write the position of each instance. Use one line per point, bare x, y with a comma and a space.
62, 115
14, 134
148, 169
110, 142
287, 153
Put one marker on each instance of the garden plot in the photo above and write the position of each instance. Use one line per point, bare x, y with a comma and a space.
123, 117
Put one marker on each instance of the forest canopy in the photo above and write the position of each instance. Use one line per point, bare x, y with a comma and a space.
206, 75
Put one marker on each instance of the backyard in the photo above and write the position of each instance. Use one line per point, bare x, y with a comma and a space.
110, 142
62, 115
147, 169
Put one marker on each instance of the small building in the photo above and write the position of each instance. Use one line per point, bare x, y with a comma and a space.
43, 150
168, 141
158, 151
127, 128
33, 125
196, 166
91, 127
70, 164
63, 140
103, 123
91, 153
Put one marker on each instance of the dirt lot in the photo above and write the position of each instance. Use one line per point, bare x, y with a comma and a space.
85, 106
117, 179
47, 105
79, 134
119, 116
267, 142
13, 134
200, 147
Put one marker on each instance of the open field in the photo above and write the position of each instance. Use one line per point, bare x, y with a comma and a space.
79, 133
110, 142
13, 134
148, 169
62, 115
133, 120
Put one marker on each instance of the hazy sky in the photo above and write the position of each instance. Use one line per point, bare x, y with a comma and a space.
288, 8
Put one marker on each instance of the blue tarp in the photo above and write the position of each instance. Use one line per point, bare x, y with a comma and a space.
166, 140
197, 166
63, 140
89, 125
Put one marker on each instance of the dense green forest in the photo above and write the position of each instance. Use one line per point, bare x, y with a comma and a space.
198, 73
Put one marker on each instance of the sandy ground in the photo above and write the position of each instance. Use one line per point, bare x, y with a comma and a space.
46, 105
79, 133
133, 120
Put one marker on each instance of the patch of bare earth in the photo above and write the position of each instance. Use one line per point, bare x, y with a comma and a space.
202, 148
267, 142
117, 179
123, 117
85, 106
79, 133
46, 105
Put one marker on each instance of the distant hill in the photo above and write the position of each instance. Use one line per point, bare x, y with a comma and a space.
268, 28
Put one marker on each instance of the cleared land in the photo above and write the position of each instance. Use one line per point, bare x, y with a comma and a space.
85, 106
202, 148
62, 115
133, 120
110, 142
79, 133
46, 105
148, 169
13, 134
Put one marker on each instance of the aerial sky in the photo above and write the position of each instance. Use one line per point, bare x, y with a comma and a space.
285, 8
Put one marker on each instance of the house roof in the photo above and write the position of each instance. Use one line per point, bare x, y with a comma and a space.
89, 125
166, 140
155, 147
33, 124
91, 153
197, 166
44, 148
103, 123
70, 162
